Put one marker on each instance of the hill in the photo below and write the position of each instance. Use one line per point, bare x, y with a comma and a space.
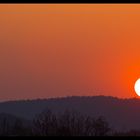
122, 114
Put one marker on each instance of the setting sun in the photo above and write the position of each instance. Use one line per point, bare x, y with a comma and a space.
137, 87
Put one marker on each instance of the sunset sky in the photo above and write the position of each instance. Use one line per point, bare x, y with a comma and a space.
55, 50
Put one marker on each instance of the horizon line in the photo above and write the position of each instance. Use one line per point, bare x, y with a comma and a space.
69, 96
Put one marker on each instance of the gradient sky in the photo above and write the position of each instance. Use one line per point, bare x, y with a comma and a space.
50, 50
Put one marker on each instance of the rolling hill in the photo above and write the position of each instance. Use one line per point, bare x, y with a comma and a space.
122, 114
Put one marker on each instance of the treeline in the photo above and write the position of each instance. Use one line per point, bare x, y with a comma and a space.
69, 123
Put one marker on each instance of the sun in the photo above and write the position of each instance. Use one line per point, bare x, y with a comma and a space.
137, 87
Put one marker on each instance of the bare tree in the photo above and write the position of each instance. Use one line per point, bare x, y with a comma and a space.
69, 123
45, 124
101, 127
4, 127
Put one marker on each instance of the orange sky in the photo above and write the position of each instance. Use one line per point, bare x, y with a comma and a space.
50, 50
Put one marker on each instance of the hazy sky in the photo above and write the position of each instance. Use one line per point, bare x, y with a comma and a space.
50, 50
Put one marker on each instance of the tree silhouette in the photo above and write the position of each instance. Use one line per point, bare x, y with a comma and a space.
101, 127
69, 123
19, 129
5, 127
45, 124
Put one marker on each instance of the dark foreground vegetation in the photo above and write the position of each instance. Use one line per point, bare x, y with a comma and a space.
68, 123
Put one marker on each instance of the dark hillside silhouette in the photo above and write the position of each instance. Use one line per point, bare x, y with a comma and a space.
122, 114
